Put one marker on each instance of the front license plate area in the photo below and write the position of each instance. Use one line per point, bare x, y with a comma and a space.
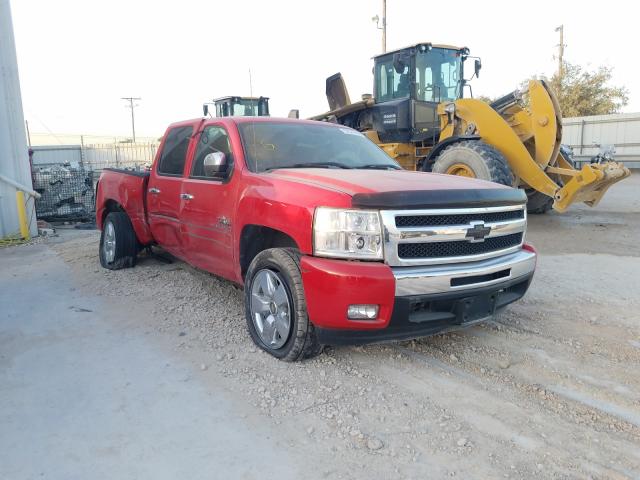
470, 309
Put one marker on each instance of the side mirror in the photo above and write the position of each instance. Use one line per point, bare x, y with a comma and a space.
205, 110
477, 66
399, 62
214, 164
294, 113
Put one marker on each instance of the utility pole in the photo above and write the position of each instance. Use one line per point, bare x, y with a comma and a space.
560, 46
132, 106
384, 25
26, 122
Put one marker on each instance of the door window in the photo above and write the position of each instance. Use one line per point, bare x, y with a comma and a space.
213, 139
174, 152
391, 84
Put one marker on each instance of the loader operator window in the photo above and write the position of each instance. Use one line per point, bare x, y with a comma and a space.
245, 108
438, 75
389, 83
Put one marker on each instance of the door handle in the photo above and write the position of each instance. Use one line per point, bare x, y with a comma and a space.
154, 190
186, 196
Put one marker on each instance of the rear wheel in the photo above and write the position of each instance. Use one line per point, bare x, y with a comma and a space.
118, 243
474, 159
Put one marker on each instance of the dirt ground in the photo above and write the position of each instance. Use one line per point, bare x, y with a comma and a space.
550, 389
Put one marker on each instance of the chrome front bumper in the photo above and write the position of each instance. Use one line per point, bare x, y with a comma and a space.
463, 276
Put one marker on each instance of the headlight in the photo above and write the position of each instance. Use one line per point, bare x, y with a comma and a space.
347, 233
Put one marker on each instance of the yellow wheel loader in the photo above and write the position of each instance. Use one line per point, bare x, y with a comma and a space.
419, 117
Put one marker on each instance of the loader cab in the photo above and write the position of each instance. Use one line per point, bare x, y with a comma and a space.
242, 107
409, 84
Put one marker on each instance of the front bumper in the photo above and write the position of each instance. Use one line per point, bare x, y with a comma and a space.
413, 301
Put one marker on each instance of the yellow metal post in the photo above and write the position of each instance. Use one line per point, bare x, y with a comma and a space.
22, 215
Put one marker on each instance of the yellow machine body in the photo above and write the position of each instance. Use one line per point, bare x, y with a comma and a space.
524, 126
529, 138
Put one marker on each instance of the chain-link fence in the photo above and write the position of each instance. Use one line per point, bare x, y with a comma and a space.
65, 176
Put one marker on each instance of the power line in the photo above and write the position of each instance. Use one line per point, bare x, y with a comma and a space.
132, 106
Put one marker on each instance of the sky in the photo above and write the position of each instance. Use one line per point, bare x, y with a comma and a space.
77, 58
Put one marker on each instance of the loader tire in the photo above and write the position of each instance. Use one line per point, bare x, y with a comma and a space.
538, 202
474, 158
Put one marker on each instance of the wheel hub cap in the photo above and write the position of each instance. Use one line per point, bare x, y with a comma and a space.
270, 308
109, 245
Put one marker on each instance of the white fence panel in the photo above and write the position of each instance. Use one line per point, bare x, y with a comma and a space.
585, 134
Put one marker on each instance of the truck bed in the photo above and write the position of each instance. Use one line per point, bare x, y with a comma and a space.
129, 187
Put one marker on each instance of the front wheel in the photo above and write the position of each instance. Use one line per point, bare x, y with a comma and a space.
275, 306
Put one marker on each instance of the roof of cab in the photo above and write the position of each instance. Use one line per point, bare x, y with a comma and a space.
238, 120
434, 45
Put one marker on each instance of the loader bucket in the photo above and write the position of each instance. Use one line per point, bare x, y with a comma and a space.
529, 138
589, 184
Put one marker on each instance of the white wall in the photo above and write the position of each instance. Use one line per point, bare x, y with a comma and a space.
14, 156
620, 130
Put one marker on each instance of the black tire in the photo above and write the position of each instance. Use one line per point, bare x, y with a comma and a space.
126, 243
538, 202
485, 161
302, 341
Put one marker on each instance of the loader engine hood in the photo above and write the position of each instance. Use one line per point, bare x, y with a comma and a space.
404, 189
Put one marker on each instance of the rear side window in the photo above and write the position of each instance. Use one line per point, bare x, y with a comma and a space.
174, 152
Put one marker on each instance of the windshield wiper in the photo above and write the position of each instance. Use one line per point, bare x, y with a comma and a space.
312, 165
378, 166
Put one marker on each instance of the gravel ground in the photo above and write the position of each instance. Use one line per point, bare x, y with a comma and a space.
550, 389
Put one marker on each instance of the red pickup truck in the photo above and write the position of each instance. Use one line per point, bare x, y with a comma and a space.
333, 242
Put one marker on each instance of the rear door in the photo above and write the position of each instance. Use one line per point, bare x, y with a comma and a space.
208, 204
165, 186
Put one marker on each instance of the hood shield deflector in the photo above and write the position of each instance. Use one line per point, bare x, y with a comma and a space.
454, 198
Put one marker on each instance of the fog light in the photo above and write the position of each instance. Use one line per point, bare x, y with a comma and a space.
362, 312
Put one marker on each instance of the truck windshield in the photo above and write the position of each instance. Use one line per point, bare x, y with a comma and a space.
271, 145
438, 73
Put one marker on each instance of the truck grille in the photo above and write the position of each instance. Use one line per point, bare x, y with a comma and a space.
457, 249
459, 219
442, 236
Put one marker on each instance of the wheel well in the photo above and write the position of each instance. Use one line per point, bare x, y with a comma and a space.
256, 238
111, 206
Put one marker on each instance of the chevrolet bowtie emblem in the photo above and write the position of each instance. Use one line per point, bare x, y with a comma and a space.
477, 232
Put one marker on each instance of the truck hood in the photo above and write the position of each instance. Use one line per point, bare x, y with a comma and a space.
378, 181
404, 189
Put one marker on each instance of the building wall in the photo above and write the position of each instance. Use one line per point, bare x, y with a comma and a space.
14, 156
622, 131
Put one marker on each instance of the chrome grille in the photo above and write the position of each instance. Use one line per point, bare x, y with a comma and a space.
457, 249
459, 219
425, 237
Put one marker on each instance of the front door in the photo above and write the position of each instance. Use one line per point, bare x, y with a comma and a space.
164, 189
208, 203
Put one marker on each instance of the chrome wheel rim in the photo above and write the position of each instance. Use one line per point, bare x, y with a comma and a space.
270, 309
109, 244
